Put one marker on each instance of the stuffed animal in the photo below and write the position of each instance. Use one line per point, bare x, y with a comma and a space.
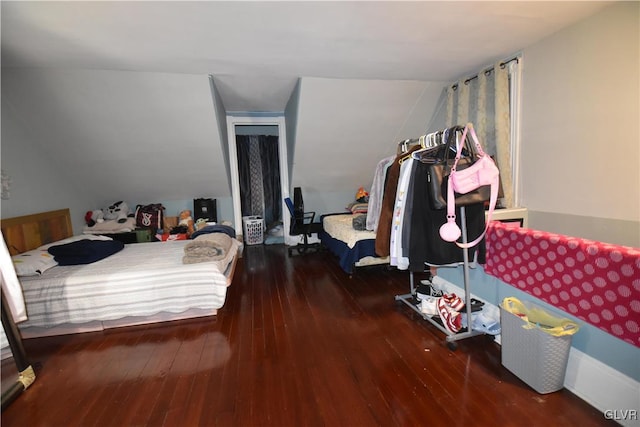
87, 219
118, 211
94, 217
187, 220
200, 223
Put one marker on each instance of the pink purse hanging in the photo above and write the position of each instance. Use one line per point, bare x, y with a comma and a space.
483, 172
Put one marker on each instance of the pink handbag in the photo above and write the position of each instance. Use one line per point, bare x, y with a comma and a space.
483, 172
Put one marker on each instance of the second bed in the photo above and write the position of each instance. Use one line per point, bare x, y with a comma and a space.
354, 248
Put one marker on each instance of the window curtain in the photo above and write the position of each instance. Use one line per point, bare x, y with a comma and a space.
259, 177
485, 101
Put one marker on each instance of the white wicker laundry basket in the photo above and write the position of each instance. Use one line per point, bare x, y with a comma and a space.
253, 227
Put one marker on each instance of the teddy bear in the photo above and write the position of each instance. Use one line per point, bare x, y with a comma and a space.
118, 211
187, 220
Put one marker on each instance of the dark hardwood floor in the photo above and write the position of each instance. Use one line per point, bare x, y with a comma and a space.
297, 343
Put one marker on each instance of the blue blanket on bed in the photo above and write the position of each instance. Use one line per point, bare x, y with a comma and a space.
218, 228
84, 251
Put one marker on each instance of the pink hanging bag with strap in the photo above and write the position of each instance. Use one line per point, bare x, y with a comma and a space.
483, 172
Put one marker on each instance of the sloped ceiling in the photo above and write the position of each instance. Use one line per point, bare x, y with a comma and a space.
126, 135
346, 127
118, 93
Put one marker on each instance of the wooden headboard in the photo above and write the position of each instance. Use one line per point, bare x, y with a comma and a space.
27, 232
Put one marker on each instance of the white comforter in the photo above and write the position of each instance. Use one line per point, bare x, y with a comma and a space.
341, 227
141, 280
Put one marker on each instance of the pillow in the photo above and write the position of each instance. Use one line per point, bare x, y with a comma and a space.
33, 263
37, 261
74, 239
357, 207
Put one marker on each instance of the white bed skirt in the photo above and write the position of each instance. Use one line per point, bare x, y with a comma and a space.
96, 326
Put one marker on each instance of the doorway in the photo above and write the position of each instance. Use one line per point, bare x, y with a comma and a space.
259, 178
259, 173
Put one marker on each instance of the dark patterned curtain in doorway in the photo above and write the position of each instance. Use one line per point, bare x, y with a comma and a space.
259, 176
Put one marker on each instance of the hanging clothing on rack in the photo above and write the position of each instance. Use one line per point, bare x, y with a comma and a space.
376, 193
402, 196
403, 257
383, 233
408, 226
425, 243
426, 247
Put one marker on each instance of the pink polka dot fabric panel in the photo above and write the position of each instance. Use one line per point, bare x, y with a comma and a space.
594, 281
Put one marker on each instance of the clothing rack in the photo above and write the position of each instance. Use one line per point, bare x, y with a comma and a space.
408, 299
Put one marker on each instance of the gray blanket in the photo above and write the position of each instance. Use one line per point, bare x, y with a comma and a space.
218, 247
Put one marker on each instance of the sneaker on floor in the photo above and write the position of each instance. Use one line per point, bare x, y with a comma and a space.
429, 306
451, 319
454, 301
425, 291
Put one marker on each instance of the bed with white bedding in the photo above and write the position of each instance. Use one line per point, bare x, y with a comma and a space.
142, 283
354, 248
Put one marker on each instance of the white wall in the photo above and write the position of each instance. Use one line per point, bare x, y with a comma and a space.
580, 108
134, 136
580, 128
344, 128
156, 137
38, 184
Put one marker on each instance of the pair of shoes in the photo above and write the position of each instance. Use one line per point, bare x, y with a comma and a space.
453, 301
427, 290
481, 322
451, 318
429, 306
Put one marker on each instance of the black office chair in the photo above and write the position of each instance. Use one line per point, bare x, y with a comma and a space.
302, 223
